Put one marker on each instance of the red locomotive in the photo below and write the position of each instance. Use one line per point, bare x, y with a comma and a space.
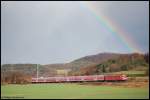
80, 78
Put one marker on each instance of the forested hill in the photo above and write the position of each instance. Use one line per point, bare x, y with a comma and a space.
92, 64
125, 62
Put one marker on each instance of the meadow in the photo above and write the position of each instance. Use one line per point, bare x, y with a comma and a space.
72, 91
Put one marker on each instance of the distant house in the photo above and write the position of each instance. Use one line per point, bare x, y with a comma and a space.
62, 72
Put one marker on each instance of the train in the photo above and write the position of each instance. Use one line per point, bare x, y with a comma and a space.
88, 78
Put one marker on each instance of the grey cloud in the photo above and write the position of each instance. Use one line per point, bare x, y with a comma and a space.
54, 32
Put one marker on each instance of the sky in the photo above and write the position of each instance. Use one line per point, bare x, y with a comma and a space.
46, 32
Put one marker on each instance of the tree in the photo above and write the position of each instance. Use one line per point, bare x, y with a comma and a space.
114, 68
146, 57
103, 69
15, 77
147, 72
124, 67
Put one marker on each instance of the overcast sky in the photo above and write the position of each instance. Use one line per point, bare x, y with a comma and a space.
47, 32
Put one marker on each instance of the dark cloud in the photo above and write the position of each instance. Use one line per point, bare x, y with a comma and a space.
55, 32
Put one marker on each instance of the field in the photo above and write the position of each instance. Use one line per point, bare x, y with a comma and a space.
132, 73
72, 91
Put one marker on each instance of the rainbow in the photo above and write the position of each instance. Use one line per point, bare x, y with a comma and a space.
112, 27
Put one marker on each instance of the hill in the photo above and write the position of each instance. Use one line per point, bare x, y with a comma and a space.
124, 62
93, 64
92, 60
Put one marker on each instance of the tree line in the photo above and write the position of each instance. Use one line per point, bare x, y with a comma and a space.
15, 77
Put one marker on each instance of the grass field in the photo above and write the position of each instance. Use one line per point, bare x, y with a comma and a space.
131, 73
74, 91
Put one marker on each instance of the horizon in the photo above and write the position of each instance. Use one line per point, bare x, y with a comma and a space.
79, 58
52, 32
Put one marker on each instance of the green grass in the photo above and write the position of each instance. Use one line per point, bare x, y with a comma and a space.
75, 91
131, 73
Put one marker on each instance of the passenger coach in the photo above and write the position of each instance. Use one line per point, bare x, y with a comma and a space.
80, 78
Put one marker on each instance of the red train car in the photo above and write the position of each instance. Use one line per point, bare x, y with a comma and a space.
94, 78
80, 78
115, 77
